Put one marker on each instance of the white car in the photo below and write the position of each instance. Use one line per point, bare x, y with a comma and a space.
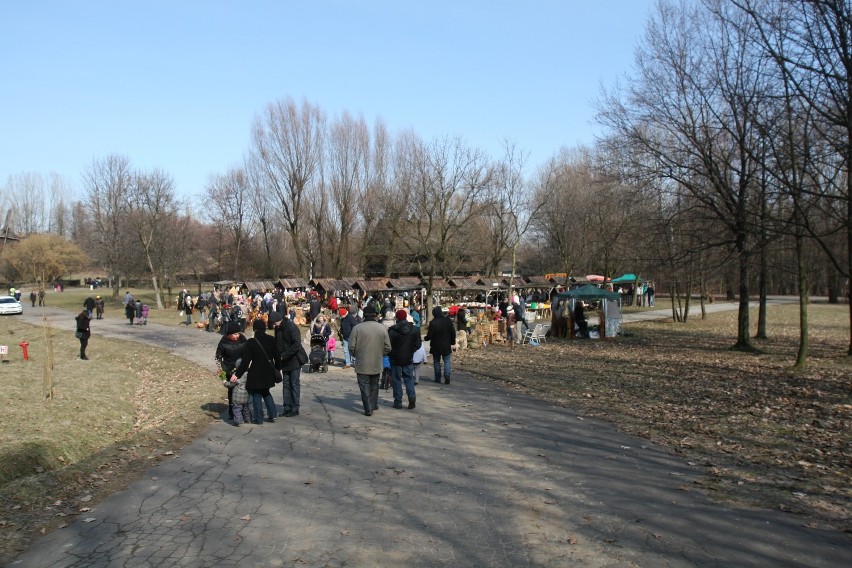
9, 305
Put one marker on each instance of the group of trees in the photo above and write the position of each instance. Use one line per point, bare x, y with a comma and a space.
738, 116
724, 169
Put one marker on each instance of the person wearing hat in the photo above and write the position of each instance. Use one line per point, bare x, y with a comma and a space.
99, 307
442, 336
369, 343
228, 353
260, 358
405, 340
347, 323
293, 356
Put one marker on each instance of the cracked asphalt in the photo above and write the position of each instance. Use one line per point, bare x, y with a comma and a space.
475, 476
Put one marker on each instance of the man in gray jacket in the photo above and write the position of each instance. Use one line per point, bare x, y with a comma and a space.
369, 343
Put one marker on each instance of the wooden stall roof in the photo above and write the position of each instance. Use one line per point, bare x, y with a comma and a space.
518, 282
465, 283
406, 281
405, 284
294, 282
540, 281
371, 285
438, 283
259, 285
330, 284
491, 281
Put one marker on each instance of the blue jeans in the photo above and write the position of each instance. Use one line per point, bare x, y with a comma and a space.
292, 386
258, 397
436, 362
347, 358
402, 374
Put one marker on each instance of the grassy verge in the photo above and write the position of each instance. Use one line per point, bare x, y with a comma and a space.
109, 419
72, 299
767, 435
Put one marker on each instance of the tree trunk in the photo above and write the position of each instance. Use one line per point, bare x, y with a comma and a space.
743, 340
157, 294
804, 340
761, 286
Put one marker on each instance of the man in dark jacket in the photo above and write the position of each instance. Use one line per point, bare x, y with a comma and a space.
442, 337
293, 356
405, 340
347, 322
314, 308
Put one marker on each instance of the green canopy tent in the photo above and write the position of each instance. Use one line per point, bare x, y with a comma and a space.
589, 292
628, 278
612, 311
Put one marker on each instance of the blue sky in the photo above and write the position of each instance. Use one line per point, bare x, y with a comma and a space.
175, 85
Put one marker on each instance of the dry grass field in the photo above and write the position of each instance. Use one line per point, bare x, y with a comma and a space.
767, 435
110, 418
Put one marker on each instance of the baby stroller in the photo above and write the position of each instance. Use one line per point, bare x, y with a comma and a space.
318, 358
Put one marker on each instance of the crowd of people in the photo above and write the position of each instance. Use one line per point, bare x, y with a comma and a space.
378, 336
375, 334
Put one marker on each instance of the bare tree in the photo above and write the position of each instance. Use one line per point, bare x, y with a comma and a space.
564, 186
512, 207
288, 147
229, 200
58, 205
691, 107
347, 167
150, 201
381, 203
445, 183
107, 184
26, 198
811, 43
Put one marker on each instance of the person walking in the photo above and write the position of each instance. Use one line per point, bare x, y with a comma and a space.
521, 325
130, 311
99, 307
347, 323
293, 356
188, 305
89, 304
83, 332
229, 354
369, 343
260, 358
442, 336
33, 297
405, 341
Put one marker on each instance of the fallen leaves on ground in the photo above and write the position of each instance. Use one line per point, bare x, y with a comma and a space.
768, 435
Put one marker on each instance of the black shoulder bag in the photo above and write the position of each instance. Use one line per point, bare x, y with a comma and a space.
276, 373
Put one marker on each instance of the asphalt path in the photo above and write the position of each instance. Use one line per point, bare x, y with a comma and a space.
476, 475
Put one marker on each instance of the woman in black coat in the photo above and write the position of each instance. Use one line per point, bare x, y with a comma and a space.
83, 332
260, 359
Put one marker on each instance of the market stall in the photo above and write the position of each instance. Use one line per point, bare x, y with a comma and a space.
608, 310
